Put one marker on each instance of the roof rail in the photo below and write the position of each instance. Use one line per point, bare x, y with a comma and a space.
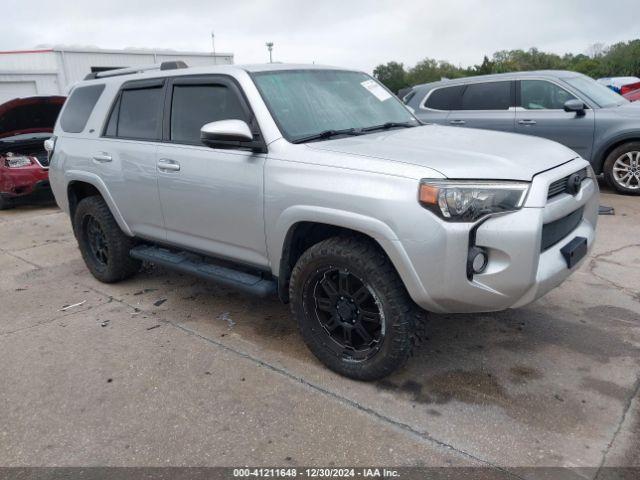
171, 65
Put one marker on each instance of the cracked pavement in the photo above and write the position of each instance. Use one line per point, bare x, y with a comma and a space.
164, 369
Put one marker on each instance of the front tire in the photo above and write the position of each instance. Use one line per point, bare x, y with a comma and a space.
104, 247
622, 168
352, 309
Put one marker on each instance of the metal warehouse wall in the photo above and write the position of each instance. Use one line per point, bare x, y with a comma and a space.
54, 71
77, 64
28, 73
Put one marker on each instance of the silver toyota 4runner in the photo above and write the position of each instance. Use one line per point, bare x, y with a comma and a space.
317, 184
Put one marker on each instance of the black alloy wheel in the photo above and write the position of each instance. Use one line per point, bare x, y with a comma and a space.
97, 240
348, 312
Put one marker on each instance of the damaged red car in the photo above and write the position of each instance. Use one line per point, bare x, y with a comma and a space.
25, 123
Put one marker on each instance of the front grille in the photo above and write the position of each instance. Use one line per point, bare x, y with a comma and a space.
560, 186
555, 231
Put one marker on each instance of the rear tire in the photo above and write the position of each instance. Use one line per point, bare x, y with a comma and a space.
104, 247
622, 168
5, 204
353, 310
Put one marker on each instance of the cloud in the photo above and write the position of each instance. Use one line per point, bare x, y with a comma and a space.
354, 33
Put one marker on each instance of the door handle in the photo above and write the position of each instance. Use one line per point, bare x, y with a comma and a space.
457, 122
166, 165
526, 122
102, 158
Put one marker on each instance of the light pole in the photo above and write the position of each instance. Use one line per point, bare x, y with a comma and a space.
270, 48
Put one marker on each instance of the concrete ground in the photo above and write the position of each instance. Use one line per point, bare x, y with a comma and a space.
164, 369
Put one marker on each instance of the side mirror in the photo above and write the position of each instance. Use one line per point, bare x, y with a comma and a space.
49, 144
231, 134
576, 106
220, 134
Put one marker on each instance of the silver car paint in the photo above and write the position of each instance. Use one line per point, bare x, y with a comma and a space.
592, 136
470, 154
240, 206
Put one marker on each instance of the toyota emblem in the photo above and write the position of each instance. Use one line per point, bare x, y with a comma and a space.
573, 184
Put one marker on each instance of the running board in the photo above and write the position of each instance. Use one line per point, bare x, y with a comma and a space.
197, 265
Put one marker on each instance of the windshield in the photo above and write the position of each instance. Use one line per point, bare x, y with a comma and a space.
603, 97
305, 103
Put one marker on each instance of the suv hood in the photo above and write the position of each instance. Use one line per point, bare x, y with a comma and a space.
630, 110
29, 115
459, 153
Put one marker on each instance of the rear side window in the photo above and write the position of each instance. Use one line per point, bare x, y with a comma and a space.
137, 114
447, 98
193, 106
487, 96
79, 107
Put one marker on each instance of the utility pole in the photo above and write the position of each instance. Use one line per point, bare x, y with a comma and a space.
269, 46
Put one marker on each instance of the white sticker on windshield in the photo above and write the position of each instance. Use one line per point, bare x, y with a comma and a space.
376, 90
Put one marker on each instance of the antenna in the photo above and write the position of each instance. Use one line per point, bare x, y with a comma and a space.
213, 45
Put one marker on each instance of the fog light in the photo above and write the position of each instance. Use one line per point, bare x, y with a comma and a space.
477, 261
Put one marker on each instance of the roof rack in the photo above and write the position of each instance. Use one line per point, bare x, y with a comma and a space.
171, 65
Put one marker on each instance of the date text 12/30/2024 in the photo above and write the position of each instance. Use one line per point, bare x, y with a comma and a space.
315, 473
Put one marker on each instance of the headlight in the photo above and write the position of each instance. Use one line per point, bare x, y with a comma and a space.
18, 161
470, 200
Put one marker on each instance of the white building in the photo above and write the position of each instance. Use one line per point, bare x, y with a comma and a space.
52, 71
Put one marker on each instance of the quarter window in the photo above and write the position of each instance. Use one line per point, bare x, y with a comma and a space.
540, 94
487, 96
136, 114
193, 106
445, 98
79, 107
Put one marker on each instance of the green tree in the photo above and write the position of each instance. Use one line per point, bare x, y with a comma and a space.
620, 59
430, 70
485, 68
392, 75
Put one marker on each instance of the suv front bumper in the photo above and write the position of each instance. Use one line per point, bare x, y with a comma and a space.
518, 270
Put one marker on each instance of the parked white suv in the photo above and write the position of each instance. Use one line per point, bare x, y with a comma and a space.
318, 184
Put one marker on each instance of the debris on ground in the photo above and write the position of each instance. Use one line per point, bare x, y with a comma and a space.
226, 316
155, 326
604, 210
160, 302
68, 307
105, 323
146, 290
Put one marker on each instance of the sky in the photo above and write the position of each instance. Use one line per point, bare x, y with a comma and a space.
349, 33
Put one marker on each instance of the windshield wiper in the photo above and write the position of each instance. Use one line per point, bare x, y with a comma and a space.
327, 134
388, 125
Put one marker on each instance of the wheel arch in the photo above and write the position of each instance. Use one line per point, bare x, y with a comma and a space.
295, 233
81, 185
614, 143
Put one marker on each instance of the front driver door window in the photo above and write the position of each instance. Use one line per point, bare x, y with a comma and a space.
542, 114
542, 95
